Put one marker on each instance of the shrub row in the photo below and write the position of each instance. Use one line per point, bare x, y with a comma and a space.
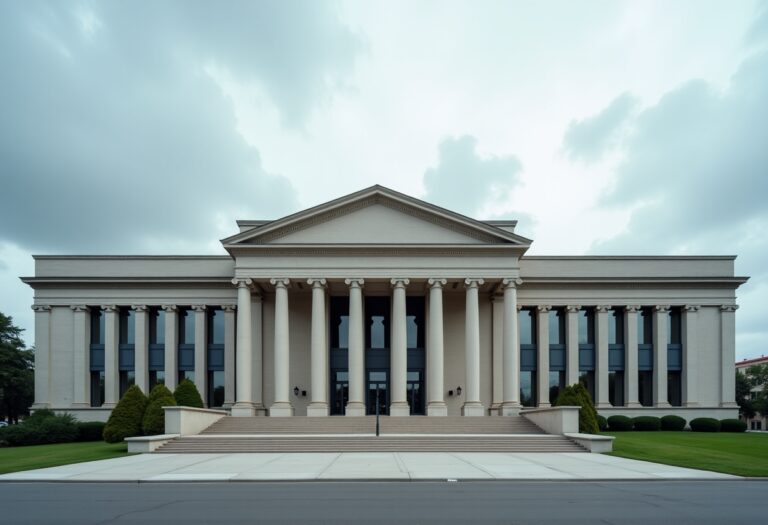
45, 427
674, 423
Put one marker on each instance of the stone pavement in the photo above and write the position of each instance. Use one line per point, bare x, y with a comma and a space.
363, 466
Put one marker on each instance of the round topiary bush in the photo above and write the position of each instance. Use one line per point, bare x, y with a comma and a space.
619, 423
732, 425
646, 423
675, 423
602, 423
125, 420
577, 395
154, 417
705, 424
90, 430
186, 395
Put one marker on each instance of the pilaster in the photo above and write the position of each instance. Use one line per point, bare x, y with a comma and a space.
542, 364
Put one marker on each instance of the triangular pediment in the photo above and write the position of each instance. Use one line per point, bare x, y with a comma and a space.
376, 215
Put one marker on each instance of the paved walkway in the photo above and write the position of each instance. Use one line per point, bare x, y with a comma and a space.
362, 466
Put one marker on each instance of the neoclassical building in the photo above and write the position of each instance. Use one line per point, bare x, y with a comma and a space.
378, 299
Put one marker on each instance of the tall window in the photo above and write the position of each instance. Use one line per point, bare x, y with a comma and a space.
645, 356
97, 356
556, 353
126, 349
586, 326
675, 357
556, 326
527, 333
186, 359
587, 349
156, 347
215, 357
616, 355
615, 327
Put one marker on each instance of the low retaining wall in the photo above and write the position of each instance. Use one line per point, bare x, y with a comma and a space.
687, 413
187, 421
593, 442
554, 420
144, 444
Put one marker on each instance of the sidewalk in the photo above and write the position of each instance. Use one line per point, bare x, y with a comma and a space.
363, 466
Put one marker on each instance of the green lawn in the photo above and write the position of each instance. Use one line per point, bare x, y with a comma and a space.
740, 454
14, 459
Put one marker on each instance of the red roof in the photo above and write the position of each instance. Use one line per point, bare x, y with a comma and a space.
755, 361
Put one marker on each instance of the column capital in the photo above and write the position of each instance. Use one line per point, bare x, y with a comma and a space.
139, 307
242, 282
691, 307
544, 308
317, 282
436, 283
109, 308
228, 307
511, 282
41, 307
399, 282
280, 282
169, 308
472, 282
602, 308
79, 308
520, 307
573, 308
662, 308
632, 308
354, 282
729, 307
199, 307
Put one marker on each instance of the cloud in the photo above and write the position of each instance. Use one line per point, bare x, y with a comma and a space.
589, 138
464, 181
114, 138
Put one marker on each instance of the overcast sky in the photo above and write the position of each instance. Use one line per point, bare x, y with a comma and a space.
604, 127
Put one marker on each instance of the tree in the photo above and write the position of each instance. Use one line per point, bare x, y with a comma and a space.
17, 380
758, 379
154, 417
743, 389
186, 395
126, 418
577, 395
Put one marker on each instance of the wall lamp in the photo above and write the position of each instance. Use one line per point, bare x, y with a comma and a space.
458, 391
296, 392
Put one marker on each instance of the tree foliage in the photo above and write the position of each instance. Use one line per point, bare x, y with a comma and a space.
125, 420
186, 395
154, 417
17, 381
578, 395
757, 376
743, 389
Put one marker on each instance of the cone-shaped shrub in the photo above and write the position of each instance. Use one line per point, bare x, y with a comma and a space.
186, 395
125, 420
672, 423
577, 395
154, 417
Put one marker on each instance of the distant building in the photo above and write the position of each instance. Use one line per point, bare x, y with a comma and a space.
760, 421
381, 299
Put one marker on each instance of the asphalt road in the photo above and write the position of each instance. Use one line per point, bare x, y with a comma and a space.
648, 502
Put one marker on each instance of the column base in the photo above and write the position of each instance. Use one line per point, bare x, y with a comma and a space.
543, 405
665, 404
39, 406
603, 405
317, 409
400, 409
510, 409
692, 404
243, 409
81, 405
108, 405
437, 408
729, 404
633, 404
281, 409
473, 409
355, 409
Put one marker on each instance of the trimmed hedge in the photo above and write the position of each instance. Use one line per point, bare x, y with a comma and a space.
154, 416
126, 417
732, 425
602, 423
705, 424
619, 423
675, 423
646, 423
90, 430
40, 429
577, 395
186, 395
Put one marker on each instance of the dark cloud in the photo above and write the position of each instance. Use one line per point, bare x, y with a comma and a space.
112, 132
589, 138
464, 181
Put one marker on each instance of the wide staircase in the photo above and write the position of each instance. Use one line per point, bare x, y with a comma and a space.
357, 434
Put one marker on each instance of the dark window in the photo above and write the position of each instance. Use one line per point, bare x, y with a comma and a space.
414, 322
186, 374
339, 322
127, 378
615, 327
645, 388
674, 333
97, 388
215, 388
527, 326
156, 377
586, 326
556, 327
97, 325
216, 327
674, 389
616, 388
156, 326
186, 326
528, 388
587, 378
127, 326
645, 326
556, 384
377, 315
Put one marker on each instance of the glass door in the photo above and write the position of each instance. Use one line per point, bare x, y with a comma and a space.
339, 391
378, 392
415, 392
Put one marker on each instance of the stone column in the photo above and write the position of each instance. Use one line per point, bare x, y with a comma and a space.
497, 350
542, 365
171, 345
81, 354
511, 350
229, 355
141, 347
399, 351
572, 344
111, 358
472, 405
728, 355
631, 357
356, 403
690, 373
601, 366
257, 354
282, 406
318, 351
243, 406
42, 356
435, 380
660, 328
201, 351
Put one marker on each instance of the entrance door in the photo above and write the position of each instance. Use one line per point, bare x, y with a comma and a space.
378, 388
415, 392
339, 391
